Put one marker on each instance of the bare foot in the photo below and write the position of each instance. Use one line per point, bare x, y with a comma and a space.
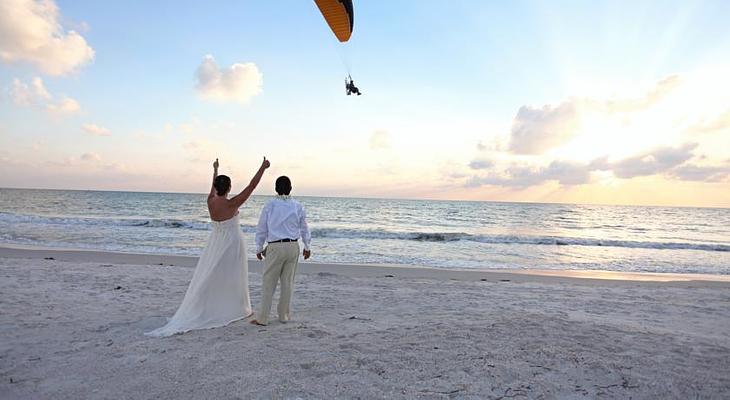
255, 322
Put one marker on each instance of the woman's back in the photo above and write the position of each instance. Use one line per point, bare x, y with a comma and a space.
220, 209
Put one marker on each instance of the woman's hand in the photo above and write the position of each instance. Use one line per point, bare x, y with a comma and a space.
215, 164
265, 164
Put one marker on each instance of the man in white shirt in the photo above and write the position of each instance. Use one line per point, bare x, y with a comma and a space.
282, 224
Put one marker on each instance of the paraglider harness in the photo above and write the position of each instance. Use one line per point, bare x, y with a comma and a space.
350, 87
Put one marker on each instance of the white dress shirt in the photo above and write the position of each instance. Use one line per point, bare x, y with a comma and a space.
282, 218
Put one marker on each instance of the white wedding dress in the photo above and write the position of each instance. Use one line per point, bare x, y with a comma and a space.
218, 293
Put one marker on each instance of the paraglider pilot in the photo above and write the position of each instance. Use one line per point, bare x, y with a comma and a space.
350, 87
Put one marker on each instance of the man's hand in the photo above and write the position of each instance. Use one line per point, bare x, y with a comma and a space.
307, 254
215, 164
265, 164
260, 256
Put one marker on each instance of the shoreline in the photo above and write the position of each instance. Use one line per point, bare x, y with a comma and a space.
602, 277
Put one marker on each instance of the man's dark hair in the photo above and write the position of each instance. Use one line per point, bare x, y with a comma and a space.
222, 184
283, 186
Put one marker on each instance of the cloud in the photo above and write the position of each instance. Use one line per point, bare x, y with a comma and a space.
535, 130
239, 82
96, 130
89, 157
521, 176
31, 32
567, 173
379, 140
662, 88
65, 106
35, 94
481, 164
717, 124
663, 160
650, 163
667, 160
691, 172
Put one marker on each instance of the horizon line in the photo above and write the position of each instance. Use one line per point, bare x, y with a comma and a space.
389, 198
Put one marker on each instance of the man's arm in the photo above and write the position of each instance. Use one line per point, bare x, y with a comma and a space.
215, 175
262, 230
304, 233
241, 198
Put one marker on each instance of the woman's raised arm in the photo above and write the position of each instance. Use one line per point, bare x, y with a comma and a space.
212, 183
241, 198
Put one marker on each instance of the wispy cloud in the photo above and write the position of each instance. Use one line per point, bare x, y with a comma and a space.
96, 130
716, 124
668, 161
653, 162
29, 94
35, 94
380, 139
709, 173
91, 157
481, 164
31, 32
521, 176
65, 106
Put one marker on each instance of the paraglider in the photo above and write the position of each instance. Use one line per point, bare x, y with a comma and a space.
350, 87
340, 16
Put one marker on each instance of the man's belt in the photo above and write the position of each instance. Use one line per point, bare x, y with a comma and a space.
284, 241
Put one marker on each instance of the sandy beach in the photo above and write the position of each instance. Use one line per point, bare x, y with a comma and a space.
72, 323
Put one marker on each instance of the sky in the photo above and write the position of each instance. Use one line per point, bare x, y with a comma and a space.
602, 102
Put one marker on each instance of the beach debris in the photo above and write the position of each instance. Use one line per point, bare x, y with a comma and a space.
355, 317
48, 258
390, 276
445, 392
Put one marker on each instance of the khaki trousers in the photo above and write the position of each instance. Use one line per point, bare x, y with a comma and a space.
280, 264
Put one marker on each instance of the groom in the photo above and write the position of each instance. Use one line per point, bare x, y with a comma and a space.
282, 223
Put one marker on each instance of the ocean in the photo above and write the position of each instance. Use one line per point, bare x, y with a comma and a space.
443, 234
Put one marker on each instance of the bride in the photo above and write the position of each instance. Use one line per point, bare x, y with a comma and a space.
218, 292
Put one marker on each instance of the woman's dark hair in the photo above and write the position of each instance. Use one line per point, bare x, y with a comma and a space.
222, 184
283, 186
